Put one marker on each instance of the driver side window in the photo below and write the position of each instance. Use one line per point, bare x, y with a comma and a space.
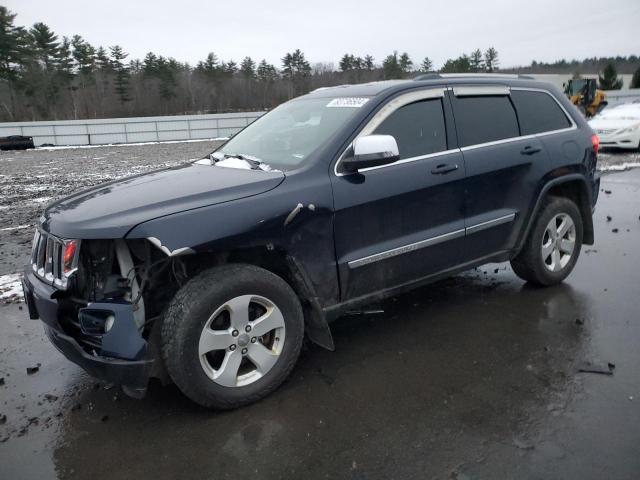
418, 128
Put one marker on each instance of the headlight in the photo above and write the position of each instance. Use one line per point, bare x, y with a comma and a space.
68, 257
631, 129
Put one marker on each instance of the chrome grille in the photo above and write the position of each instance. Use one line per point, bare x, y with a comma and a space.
46, 259
605, 131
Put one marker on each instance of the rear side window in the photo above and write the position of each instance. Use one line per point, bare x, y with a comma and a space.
538, 112
484, 119
418, 128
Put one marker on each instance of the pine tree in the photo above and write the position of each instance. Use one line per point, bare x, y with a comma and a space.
266, 72
166, 70
346, 62
427, 65
296, 70
122, 73
476, 60
102, 60
491, 61
248, 68
230, 68
391, 67
406, 64
462, 64
150, 65
14, 55
368, 63
635, 80
46, 45
267, 75
84, 55
609, 79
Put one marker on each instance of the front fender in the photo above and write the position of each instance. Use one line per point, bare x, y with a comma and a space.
296, 218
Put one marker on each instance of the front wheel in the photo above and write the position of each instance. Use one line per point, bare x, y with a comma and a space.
232, 335
552, 248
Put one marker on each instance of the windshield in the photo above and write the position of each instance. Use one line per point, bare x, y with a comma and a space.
286, 136
576, 85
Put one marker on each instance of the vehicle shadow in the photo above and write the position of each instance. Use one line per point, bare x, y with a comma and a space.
444, 373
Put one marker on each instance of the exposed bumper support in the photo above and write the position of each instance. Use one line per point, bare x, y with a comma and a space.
132, 373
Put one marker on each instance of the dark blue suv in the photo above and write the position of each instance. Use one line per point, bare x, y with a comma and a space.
210, 274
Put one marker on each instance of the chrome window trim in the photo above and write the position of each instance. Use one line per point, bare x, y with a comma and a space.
429, 242
462, 149
533, 135
483, 90
382, 114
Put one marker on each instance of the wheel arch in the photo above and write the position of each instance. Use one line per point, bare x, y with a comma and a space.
286, 267
574, 187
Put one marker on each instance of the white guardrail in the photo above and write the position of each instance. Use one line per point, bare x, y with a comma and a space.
130, 130
618, 97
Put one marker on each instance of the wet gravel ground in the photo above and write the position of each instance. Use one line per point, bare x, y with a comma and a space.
31, 179
477, 376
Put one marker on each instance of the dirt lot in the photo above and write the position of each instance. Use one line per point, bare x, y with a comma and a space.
473, 377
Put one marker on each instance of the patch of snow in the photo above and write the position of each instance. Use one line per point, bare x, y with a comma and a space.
19, 227
619, 167
41, 199
36, 188
233, 162
10, 287
73, 147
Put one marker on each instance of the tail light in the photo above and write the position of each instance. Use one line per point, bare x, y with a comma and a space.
595, 141
68, 256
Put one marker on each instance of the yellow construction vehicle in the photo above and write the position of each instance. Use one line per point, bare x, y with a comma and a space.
585, 95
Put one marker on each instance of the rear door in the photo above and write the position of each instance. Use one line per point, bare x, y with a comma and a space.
503, 168
400, 222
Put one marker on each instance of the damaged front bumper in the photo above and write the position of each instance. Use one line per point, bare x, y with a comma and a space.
130, 367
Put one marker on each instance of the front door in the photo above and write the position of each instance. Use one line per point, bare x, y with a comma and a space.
398, 223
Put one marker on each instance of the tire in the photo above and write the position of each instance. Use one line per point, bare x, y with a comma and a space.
190, 328
557, 263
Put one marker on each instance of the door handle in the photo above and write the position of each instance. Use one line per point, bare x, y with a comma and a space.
444, 168
529, 150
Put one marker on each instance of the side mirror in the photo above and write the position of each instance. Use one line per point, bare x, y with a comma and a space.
371, 151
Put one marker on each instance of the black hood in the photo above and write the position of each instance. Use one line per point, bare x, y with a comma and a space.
112, 209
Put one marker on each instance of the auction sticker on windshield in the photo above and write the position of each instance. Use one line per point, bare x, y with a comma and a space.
351, 102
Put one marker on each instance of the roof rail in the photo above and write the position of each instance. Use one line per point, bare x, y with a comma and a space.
435, 75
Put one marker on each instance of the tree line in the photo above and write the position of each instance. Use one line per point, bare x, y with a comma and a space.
47, 77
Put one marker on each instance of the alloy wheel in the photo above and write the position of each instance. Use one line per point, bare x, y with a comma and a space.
558, 242
242, 340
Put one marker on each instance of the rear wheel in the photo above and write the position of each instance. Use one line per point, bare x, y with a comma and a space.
232, 335
553, 246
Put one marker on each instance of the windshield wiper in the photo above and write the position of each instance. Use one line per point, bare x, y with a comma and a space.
254, 162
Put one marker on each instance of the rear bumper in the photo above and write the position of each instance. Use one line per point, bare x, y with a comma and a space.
130, 373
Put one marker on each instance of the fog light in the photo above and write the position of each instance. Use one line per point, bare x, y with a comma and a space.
96, 322
108, 323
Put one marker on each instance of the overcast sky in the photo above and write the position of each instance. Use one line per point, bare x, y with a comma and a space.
324, 30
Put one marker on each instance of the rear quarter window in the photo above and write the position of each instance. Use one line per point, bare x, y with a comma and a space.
484, 119
538, 112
